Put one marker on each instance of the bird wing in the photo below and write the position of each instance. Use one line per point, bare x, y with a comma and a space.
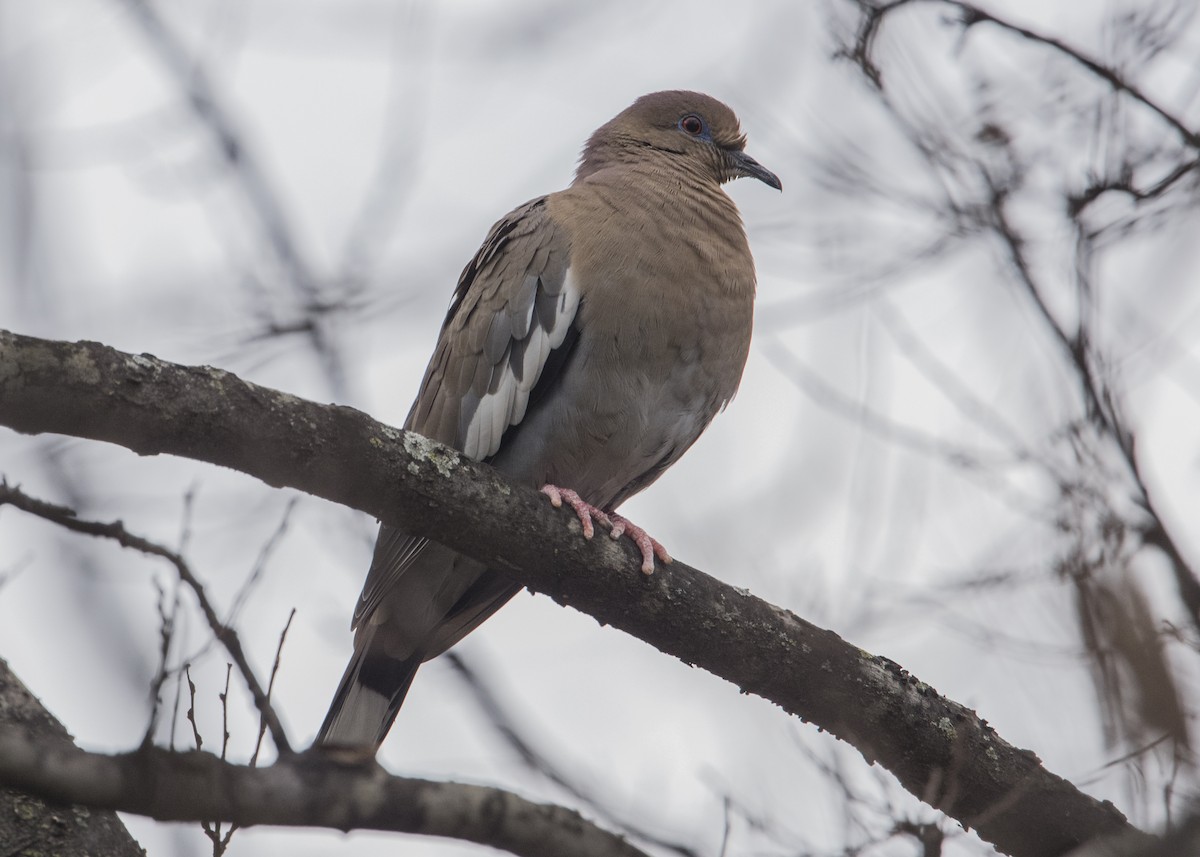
509, 323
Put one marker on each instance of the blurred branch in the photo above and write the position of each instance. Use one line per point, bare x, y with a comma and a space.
310, 790
970, 15
263, 199
400, 145
1182, 841
938, 749
510, 729
928, 835
64, 517
1078, 202
1103, 408
1102, 403
961, 456
977, 464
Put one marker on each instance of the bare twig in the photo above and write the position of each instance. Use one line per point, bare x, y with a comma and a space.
191, 712
166, 632
116, 531
262, 723
260, 563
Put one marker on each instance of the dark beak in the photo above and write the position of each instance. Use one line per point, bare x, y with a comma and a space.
742, 165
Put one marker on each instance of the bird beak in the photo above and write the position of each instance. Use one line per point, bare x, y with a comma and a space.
742, 165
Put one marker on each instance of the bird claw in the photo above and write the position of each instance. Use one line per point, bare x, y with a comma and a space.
618, 525
584, 510
647, 544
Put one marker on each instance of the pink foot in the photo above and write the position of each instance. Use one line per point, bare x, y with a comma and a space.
649, 546
617, 524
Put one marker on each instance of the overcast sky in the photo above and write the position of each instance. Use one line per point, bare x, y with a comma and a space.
381, 140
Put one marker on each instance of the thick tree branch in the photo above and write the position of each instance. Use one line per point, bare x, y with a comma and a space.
29, 826
309, 790
939, 750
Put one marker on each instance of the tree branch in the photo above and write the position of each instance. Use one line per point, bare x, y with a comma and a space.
939, 750
970, 15
28, 825
309, 790
115, 530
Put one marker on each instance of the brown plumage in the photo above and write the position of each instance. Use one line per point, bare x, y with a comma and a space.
589, 342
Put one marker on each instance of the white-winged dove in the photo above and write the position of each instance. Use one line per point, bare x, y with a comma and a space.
590, 341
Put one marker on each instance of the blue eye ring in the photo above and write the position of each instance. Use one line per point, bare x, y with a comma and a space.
692, 125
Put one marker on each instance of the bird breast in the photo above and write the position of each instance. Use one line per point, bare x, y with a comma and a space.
664, 331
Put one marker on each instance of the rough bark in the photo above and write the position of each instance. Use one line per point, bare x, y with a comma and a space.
300, 790
939, 750
28, 825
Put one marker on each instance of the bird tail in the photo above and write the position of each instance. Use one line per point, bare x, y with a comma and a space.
367, 700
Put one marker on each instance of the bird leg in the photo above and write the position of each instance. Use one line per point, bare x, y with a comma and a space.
618, 525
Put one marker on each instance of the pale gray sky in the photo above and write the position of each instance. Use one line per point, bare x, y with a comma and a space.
391, 135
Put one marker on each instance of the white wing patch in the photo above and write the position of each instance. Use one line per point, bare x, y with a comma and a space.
533, 332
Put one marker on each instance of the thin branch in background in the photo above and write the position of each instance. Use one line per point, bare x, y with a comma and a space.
1103, 410
399, 148
929, 836
260, 563
872, 20
1079, 201
1076, 346
263, 198
789, 841
1145, 749
1134, 679
956, 391
726, 828
17, 566
91, 609
972, 15
186, 517
175, 706
958, 456
539, 763
116, 531
977, 464
867, 820
1101, 402
166, 632
262, 723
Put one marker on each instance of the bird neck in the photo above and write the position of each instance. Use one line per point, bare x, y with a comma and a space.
632, 154
663, 183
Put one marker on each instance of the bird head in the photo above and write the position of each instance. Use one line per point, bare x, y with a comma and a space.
692, 129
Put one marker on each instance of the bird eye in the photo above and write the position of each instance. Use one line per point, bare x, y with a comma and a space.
692, 124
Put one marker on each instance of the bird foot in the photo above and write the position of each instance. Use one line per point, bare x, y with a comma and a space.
647, 544
618, 525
